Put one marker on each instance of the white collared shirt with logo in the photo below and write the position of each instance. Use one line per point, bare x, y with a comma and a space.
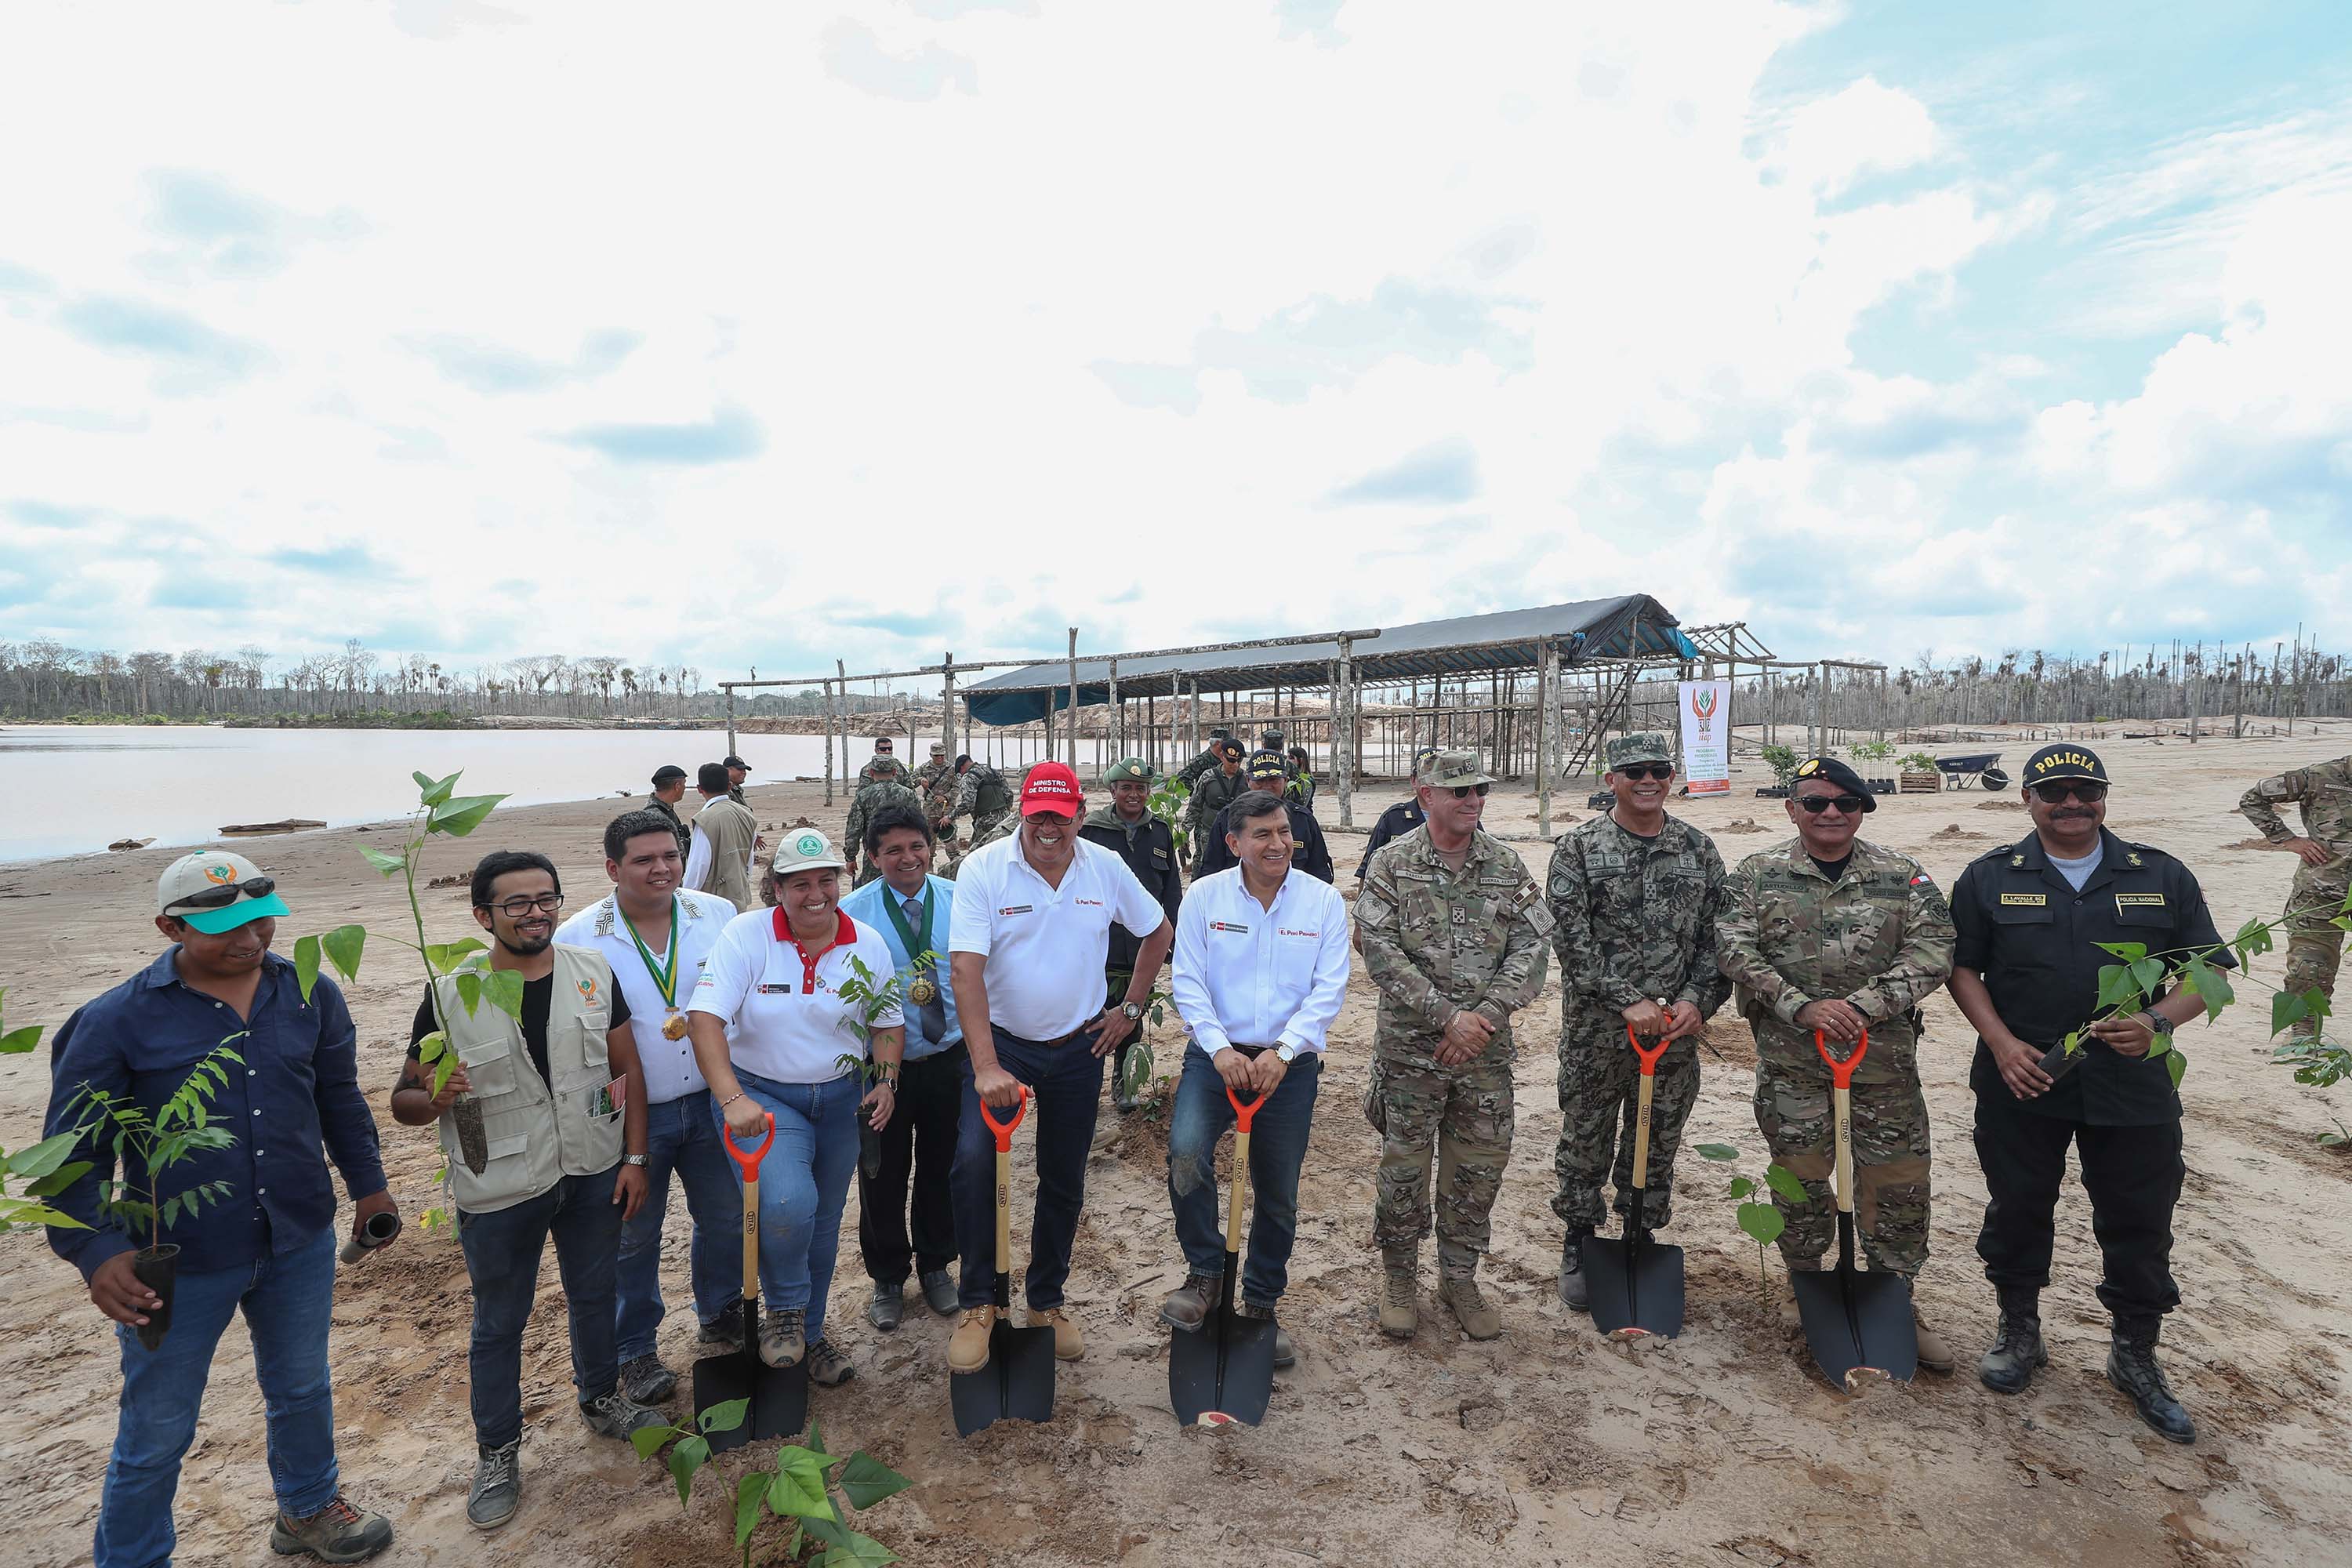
791, 1023
671, 1072
1045, 946
1252, 976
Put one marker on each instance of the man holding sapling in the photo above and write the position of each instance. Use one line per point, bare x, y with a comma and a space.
1634, 895
1831, 936
2315, 942
265, 1249
562, 1102
655, 937
2027, 974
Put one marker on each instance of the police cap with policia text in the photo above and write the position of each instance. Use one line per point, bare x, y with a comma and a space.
2064, 760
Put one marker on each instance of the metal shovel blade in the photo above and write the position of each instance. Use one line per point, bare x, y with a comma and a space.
779, 1395
1017, 1383
1859, 1326
1637, 1286
1222, 1372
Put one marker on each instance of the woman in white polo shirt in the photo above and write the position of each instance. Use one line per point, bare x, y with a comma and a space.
775, 978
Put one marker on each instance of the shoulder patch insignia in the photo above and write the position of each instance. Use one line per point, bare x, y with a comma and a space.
2133, 859
2016, 861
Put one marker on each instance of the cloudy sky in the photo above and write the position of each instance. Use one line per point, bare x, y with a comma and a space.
767, 334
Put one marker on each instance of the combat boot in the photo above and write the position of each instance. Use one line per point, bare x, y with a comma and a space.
1400, 1269
1934, 1354
2017, 1347
2131, 1367
1478, 1316
1575, 1290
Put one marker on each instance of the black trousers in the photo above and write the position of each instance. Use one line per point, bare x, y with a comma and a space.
918, 1151
2132, 1176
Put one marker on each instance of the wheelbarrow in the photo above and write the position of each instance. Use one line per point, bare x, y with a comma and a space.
1979, 767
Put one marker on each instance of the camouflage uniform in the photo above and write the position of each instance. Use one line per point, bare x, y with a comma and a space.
937, 783
1636, 919
987, 799
1211, 796
1435, 940
1879, 938
872, 796
882, 765
2315, 942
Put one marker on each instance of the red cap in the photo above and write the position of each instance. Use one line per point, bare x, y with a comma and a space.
1051, 786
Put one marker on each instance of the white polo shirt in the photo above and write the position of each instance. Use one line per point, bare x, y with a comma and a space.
1045, 946
1252, 976
671, 1072
789, 1024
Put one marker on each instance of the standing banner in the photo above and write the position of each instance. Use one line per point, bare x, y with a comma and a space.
1706, 736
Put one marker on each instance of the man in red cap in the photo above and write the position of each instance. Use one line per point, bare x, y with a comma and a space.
1027, 941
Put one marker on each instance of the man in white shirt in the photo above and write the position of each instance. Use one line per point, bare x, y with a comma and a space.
1028, 939
725, 841
658, 936
1261, 968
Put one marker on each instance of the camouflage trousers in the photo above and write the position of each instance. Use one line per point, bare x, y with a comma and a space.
2314, 944
985, 823
1599, 1096
1463, 1115
1793, 1110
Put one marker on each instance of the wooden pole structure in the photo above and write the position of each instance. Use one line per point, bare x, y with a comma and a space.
1117, 720
1074, 697
947, 707
1343, 729
730, 722
1546, 656
841, 713
826, 688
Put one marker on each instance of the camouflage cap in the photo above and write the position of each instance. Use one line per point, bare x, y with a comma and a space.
1647, 746
1451, 770
1128, 768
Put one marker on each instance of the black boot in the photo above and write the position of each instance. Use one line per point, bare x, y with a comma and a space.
2017, 1347
2131, 1367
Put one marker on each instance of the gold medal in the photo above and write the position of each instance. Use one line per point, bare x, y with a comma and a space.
922, 993
674, 1026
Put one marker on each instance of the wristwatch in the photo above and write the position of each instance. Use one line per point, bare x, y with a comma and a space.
636, 1160
2158, 1023
1286, 1053
1131, 1011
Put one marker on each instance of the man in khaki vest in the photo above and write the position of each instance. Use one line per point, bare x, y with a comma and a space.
558, 1093
726, 836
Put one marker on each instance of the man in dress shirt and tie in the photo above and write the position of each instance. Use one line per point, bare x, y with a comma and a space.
1261, 967
911, 908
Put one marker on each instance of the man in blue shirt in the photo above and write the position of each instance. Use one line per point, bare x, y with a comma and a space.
910, 908
266, 1249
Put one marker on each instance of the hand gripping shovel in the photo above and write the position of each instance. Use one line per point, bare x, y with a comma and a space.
1636, 1285
779, 1395
1222, 1371
1017, 1383
1858, 1325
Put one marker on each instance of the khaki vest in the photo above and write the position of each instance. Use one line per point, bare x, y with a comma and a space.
732, 829
536, 1137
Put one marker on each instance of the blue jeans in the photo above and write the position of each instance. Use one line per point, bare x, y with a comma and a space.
681, 1136
1064, 1085
502, 1250
803, 1187
285, 1298
1277, 1148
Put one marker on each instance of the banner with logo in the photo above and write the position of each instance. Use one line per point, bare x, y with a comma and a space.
1706, 736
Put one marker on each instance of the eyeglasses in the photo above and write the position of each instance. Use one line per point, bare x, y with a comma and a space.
226, 893
1818, 804
1661, 771
2085, 790
514, 908
1463, 792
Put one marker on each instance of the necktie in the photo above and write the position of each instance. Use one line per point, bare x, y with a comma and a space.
934, 1013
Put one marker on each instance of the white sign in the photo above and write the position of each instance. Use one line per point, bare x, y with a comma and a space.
1706, 736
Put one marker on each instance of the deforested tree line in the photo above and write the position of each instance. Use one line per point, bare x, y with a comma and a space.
43, 678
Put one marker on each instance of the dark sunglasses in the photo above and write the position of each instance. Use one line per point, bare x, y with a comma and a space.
2085, 790
1818, 804
516, 907
226, 893
1463, 792
1661, 771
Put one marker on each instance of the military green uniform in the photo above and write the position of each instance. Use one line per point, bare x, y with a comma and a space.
1879, 938
1436, 941
661, 807
1635, 919
987, 799
937, 783
2314, 944
872, 796
883, 766
1192, 773
1211, 796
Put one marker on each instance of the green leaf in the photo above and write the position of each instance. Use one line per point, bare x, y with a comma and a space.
2116, 986
433, 791
2148, 973
2286, 1011
648, 1440
2177, 1064
723, 1417
390, 864
2315, 1004
469, 990
342, 946
750, 1493
1740, 1188
38, 1213
2073, 1044
2208, 986
1784, 1182
856, 1550
442, 1071
306, 964
796, 1490
43, 1157
445, 956
461, 815
2160, 1045
866, 1481
429, 1048
1763, 1222
2252, 938
504, 988
58, 1180
17, 1041
684, 1461
1719, 1152
2128, 951
171, 1211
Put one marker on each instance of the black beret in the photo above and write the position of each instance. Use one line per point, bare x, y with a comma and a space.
1836, 772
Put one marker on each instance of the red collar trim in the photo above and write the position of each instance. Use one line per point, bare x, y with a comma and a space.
844, 932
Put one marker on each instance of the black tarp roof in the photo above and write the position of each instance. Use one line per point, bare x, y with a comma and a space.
1629, 625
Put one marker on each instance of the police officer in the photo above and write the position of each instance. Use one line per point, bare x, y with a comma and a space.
2028, 976
670, 788
1452, 928
1830, 935
2315, 942
1399, 819
1127, 828
737, 770
1215, 791
1313, 851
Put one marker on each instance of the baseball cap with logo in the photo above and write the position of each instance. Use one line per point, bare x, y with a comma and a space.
1452, 770
2064, 760
214, 891
804, 849
1644, 746
1265, 764
1051, 786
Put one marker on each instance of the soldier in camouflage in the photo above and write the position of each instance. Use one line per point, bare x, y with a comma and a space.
872, 796
1831, 934
883, 765
1452, 928
1206, 763
2315, 942
1634, 895
937, 783
986, 798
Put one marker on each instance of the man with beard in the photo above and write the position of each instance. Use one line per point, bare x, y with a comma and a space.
567, 1163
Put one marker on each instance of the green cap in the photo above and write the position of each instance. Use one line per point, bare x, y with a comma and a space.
1647, 746
1128, 768
1452, 770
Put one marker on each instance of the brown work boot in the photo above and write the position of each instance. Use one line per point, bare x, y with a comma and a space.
336, 1533
1188, 1305
1478, 1316
968, 1346
1068, 1344
1790, 1318
1934, 1354
1400, 1269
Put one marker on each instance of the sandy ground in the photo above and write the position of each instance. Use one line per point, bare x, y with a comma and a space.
1550, 1445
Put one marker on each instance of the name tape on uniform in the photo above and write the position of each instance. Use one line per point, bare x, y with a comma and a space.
2139, 901
2035, 899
